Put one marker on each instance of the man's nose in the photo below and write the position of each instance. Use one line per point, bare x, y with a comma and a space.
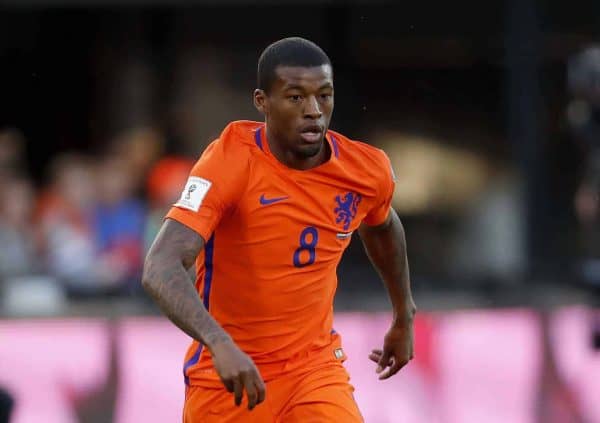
312, 109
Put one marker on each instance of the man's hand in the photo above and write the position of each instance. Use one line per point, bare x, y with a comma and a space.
238, 373
397, 350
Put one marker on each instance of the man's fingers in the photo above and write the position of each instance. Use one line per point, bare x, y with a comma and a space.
374, 357
390, 371
228, 384
238, 391
261, 389
251, 394
255, 388
395, 367
251, 384
384, 361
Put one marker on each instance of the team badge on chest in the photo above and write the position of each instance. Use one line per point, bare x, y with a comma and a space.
347, 206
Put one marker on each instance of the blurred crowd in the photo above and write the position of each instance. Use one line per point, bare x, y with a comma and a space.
82, 232
80, 228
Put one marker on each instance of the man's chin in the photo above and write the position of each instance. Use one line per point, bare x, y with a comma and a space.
307, 151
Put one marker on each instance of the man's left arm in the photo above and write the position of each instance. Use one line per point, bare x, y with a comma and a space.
385, 245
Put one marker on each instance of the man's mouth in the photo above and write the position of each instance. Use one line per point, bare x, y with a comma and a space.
312, 134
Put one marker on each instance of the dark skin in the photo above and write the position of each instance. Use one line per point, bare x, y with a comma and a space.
166, 280
386, 247
299, 99
297, 109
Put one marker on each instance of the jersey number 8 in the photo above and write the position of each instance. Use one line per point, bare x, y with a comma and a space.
312, 234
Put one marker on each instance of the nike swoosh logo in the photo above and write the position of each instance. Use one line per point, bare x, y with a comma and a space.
266, 201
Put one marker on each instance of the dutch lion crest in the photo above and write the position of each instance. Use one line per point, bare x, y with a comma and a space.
347, 205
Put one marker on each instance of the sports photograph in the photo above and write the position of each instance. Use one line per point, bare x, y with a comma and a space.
299, 212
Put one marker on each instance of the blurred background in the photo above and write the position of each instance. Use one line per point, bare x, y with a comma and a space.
489, 111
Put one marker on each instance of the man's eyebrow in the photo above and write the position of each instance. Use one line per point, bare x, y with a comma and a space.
301, 88
293, 87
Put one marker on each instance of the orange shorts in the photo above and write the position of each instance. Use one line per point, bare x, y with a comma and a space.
305, 395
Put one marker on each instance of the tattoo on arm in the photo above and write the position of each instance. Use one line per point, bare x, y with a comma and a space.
167, 281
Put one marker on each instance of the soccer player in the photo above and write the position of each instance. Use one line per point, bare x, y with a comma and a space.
272, 206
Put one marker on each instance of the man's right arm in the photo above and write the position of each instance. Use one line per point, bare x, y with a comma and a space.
166, 280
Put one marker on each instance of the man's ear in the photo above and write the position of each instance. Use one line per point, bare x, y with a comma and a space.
260, 101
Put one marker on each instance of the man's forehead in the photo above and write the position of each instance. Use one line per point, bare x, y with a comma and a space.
307, 74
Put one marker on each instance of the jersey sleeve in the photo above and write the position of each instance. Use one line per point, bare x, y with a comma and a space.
386, 183
214, 187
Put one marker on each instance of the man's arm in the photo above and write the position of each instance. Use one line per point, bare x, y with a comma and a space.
386, 247
166, 280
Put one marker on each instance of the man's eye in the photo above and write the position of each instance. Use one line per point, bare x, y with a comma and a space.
295, 97
326, 96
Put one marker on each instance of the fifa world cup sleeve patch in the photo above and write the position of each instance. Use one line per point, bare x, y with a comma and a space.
193, 193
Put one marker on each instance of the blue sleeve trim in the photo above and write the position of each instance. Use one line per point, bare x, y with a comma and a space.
208, 274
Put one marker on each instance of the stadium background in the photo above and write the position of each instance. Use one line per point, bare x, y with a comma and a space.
489, 112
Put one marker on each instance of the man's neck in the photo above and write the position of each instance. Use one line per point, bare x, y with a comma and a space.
291, 160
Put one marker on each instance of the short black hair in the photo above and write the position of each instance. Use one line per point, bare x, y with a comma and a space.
292, 51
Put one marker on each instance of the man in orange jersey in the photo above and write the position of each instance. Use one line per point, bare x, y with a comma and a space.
273, 206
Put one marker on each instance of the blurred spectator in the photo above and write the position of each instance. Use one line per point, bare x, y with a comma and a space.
583, 114
119, 220
12, 159
17, 237
65, 221
18, 256
24, 288
12, 144
489, 246
140, 147
165, 182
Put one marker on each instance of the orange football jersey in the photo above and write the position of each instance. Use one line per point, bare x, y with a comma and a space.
274, 237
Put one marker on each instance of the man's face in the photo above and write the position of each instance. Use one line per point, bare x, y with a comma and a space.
298, 108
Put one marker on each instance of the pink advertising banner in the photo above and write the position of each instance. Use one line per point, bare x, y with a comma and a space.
514, 366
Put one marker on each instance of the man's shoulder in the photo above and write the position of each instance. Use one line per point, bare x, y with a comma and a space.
239, 134
357, 152
231, 152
